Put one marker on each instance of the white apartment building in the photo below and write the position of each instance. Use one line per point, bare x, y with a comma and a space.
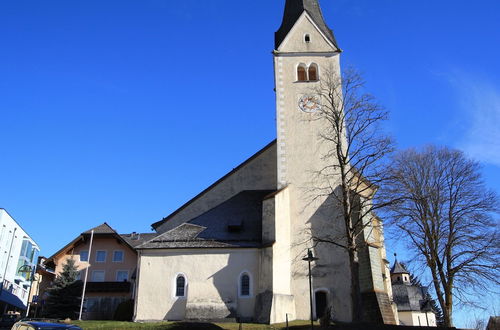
17, 249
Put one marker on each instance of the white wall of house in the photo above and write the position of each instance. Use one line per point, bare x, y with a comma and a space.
16, 249
212, 283
417, 318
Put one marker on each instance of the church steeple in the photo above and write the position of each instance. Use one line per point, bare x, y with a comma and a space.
293, 11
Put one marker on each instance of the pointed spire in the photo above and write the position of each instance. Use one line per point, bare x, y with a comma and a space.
398, 268
293, 10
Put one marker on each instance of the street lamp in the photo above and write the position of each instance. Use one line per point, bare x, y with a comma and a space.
310, 258
28, 270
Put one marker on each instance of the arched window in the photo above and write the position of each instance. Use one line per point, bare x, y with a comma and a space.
307, 38
313, 72
244, 289
180, 286
301, 73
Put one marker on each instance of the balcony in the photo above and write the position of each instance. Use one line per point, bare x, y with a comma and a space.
123, 287
14, 294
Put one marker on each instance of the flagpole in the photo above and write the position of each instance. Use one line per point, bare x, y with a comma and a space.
86, 274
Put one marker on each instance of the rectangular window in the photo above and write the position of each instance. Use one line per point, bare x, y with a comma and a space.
118, 256
100, 256
98, 276
122, 275
84, 255
92, 304
23, 248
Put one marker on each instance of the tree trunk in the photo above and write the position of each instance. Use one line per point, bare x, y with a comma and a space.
448, 311
355, 289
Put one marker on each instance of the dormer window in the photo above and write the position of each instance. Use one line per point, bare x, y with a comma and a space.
307, 38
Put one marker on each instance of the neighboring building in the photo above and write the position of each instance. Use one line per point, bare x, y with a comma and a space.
235, 250
112, 265
493, 323
414, 307
17, 249
42, 280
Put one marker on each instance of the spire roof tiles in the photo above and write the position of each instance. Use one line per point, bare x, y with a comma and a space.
398, 268
293, 10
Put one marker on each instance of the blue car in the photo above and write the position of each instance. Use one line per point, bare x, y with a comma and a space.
35, 325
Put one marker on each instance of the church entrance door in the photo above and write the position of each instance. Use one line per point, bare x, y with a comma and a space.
320, 298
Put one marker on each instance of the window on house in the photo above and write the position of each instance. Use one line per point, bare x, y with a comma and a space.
122, 275
301, 73
118, 256
100, 256
92, 305
244, 285
307, 38
84, 255
180, 286
313, 72
98, 276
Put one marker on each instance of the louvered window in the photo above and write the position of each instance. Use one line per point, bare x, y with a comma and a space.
301, 73
313, 72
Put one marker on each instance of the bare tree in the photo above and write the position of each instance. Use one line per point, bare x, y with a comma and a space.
356, 149
445, 210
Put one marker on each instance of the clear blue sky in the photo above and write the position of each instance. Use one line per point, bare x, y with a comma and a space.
120, 111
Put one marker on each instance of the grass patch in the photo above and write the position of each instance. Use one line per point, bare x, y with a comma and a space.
115, 325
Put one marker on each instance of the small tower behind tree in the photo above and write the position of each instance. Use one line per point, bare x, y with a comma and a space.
399, 274
413, 302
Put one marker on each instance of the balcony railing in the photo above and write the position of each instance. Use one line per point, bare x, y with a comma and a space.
15, 289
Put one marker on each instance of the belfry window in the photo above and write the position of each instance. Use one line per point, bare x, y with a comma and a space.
301, 73
307, 73
313, 72
180, 286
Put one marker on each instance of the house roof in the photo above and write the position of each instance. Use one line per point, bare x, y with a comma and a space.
293, 11
398, 268
408, 297
167, 218
236, 222
136, 239
103, 230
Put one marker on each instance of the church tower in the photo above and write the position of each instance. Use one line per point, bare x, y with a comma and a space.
305, 51
304, 48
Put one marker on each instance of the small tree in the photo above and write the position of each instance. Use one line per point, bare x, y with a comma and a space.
65, 293
446, 212
356, 150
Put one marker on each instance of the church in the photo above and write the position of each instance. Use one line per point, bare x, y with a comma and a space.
235, 250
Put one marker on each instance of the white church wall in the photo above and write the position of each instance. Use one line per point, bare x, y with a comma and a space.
258, 174
212, 277
282, 261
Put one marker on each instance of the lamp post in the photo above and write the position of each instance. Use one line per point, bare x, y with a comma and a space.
310, 258
31, 270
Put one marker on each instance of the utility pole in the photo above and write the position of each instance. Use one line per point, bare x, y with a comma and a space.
86, 274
